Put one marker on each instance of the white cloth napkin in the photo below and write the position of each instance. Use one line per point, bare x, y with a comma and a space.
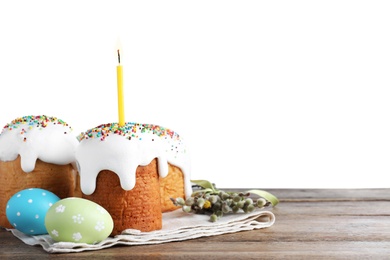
177, 226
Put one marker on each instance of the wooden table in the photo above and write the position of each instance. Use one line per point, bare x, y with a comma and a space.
310, 224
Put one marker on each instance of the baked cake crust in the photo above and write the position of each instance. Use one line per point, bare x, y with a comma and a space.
60, 179
171, 186
138, 208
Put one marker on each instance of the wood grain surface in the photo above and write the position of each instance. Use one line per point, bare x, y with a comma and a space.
310, 224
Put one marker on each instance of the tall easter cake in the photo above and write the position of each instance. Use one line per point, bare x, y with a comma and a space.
133, 171
36, 152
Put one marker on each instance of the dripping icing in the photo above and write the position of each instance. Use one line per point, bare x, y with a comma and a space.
123, 149
37, 137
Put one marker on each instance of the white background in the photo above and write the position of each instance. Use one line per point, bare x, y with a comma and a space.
267, 94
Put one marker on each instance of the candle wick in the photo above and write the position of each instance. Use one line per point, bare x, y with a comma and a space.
119, 57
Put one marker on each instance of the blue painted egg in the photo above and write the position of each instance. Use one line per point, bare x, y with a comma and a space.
26, 210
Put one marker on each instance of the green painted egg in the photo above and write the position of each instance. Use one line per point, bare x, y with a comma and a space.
79, 221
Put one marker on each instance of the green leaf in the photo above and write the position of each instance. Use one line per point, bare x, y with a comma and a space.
266, 195
202, 191
205, 184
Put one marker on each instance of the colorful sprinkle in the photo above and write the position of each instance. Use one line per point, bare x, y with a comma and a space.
29, 122
129, 130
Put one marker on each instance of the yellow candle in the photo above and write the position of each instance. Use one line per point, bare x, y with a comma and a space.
121, 105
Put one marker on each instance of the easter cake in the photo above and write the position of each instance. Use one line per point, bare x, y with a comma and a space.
133, 171
36, 152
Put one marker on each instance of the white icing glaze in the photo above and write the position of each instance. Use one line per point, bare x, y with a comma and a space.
123, 153
51, 143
